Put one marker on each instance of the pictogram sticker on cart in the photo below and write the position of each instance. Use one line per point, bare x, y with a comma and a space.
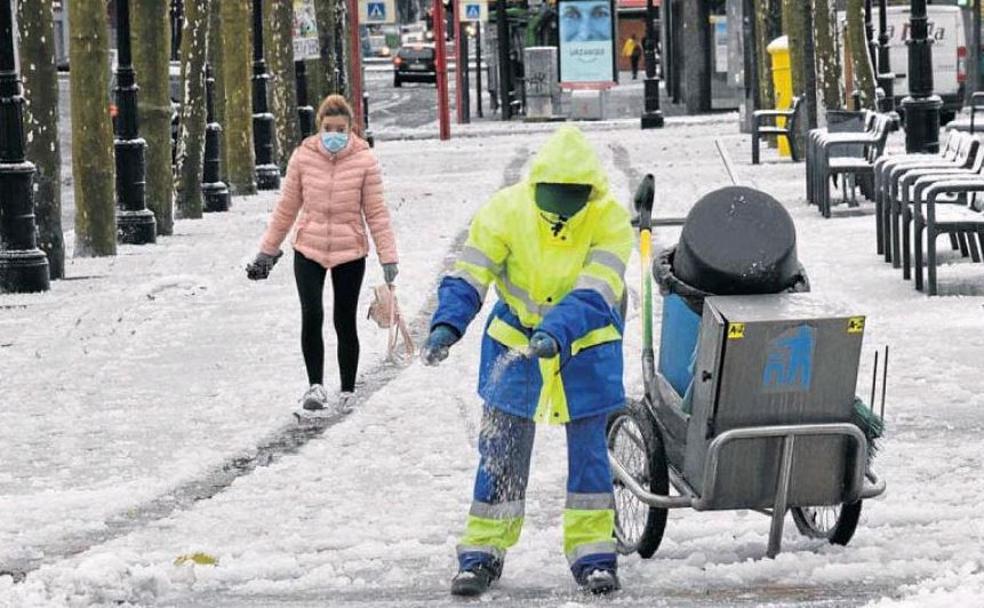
855, 325
736, 331
789, 361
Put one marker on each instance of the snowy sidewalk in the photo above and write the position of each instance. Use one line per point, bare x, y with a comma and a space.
165, 362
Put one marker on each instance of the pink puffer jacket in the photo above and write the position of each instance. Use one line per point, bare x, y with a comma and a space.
336, 196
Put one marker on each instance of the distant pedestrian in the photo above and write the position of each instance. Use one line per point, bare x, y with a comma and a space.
633, 50
333, 188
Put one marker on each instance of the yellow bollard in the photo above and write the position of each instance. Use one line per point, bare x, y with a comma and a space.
782, 80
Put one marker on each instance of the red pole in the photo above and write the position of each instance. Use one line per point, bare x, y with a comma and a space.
457, 61
355, 64
440, 52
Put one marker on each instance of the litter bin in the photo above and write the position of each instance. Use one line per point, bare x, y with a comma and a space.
735, 241
782, 81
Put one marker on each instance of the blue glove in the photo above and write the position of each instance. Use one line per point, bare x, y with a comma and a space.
543, 345
389, 272
437, 344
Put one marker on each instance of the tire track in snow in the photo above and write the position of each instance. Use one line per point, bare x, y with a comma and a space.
285, 440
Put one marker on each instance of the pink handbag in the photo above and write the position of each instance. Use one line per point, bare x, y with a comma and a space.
385, 311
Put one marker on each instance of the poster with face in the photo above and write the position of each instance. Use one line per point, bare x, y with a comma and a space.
587, 41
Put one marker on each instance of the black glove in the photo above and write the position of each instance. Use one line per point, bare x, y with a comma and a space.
261, 265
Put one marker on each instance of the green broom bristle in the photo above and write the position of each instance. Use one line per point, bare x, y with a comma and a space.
870, 423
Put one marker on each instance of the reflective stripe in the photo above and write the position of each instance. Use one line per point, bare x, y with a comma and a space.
594, 501
507, 335
608, 259
476, 256
505, 510
524, 297
467, 277
493, 551
498, 533
607, 546
599, 285
595, 337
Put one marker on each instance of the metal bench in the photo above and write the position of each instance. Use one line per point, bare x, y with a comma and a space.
761, 126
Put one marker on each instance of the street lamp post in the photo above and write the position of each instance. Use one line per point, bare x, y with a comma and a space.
214, 190
23, 267
886, 78
135, 223
652, 117
921, 106
267, 172
869, 36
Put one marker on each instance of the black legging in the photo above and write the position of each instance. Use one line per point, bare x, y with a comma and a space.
346, 282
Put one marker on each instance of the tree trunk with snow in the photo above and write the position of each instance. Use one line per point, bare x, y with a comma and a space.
763, 36
215, 59
191, 137
279, 45
237, 131
697, 59
151, 22
93, 164
327, 14
864, 72
40, 79
828, 55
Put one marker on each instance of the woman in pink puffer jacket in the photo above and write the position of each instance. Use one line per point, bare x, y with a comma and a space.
333, 188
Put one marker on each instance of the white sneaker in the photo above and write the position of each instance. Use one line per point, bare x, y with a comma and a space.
314, 399
346, 401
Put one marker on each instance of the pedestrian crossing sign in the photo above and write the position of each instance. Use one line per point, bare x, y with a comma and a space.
377, 11
473, 10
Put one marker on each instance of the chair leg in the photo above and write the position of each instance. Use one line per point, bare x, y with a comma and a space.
792, 147
755, 145
917, 235
954, 244
906, 245
879, 226
962, 241
898, 209
931, 259
975, 253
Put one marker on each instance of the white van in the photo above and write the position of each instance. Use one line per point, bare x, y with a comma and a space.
946, 29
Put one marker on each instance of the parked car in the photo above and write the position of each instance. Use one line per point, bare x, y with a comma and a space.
414, 64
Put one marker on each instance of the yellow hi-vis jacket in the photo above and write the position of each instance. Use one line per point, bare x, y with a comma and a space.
562, 277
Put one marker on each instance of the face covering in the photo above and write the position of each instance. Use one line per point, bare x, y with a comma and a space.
334, 142
563, 199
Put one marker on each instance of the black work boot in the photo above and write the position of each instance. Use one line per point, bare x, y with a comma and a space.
601, 582
474, 581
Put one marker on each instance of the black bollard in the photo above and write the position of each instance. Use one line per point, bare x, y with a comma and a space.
23, 267
305, 113
652, 117
921, 106
134, 221
214, 190
267, 171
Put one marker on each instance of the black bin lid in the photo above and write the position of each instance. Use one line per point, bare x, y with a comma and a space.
737, 241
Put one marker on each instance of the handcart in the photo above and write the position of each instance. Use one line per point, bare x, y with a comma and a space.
751, 403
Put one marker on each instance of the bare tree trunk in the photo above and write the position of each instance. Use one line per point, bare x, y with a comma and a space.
215, 58
828, 56
864, 72
279, 42
236, 94
191, 138
94, 165
40, 80
326, 14
763, 36
151, 61
792, 27
697, 59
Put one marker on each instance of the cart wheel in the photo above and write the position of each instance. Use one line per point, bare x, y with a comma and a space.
636, 442
835, 524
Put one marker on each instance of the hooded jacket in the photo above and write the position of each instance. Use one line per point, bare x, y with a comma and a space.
562, 277
332, 198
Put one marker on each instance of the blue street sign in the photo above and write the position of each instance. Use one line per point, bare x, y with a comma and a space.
377, 11
473, 11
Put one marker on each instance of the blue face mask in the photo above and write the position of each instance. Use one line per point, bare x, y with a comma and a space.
334, 142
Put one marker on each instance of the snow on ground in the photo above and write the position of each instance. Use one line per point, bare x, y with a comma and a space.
168, 362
